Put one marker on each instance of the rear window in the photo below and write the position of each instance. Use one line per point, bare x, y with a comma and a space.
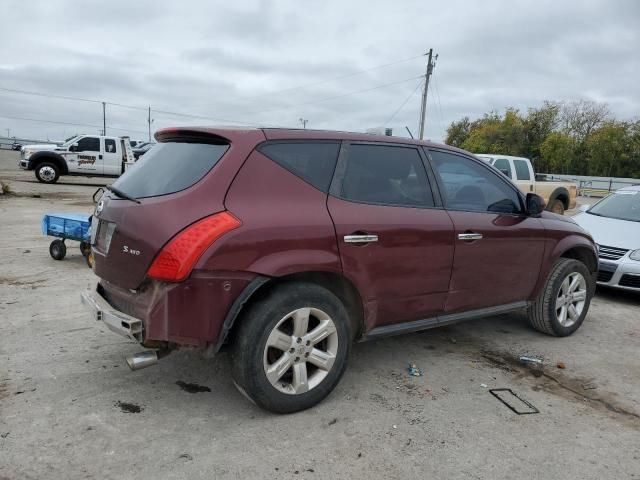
314, 162
168, 168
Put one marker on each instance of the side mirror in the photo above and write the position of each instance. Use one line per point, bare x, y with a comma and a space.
505, 172
73, 147
535, 204
585, 208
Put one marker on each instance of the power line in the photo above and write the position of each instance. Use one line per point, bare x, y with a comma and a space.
335, 96
55, 122
403, 103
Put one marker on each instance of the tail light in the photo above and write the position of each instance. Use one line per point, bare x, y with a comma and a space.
176, 260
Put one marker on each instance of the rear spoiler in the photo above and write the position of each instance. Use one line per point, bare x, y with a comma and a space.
186, 135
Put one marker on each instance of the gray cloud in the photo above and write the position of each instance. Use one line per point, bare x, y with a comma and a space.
232, 61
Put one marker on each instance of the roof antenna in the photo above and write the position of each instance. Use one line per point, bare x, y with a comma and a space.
410, 134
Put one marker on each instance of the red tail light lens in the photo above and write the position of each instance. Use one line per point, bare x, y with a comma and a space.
176, 260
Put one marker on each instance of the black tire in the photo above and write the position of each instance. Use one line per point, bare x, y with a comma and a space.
249, 352
556, 206
57, 249
542, 312
47, 172
85, 249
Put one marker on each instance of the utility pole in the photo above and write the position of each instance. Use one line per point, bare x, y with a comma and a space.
149, 122
303, 122
423, 107
8, 132
104, 118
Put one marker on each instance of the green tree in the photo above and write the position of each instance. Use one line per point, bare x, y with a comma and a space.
558, 152
608, 149
458, 132
538, 125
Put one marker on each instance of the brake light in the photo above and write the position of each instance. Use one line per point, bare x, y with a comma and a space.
176, 260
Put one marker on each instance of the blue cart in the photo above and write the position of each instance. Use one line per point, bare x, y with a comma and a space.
68, 226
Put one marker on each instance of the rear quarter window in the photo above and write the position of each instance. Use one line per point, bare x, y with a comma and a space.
169, 168
314, 162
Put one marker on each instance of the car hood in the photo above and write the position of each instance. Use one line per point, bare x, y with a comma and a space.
44, 146
611, 231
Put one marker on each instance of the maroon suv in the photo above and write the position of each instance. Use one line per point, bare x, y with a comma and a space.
287, 245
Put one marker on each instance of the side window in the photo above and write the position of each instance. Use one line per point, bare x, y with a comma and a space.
503, 164
89, 144
470, 186
314, 162
109, 145
386, 175
522, 170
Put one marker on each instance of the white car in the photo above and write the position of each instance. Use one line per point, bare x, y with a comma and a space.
614, 223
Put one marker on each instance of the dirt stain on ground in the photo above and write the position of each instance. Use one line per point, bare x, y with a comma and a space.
127, 407
192, 387
19, 283
563, 385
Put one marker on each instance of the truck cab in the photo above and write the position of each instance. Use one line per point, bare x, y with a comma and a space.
90, 155
558, 196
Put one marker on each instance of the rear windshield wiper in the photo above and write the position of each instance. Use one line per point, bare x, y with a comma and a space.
121, 194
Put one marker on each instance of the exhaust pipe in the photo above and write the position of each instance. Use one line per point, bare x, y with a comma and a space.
142, 359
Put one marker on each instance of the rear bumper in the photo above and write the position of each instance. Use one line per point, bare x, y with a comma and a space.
116, 321
190, 313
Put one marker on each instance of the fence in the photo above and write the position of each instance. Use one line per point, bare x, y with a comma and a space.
594, 186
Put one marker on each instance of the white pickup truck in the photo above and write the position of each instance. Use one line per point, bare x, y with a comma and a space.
86, 155
559, 196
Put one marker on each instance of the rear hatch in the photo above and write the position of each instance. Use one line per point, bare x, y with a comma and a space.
181, 180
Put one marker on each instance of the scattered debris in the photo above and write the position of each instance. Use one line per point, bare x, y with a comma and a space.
505, 394
414, 371
26, 251
332, 422
359, 455
395, 427
483, 385
186, 456
192, 387
129, 407
4, 435
561, 365
453, 340
310, 470
525, 359
589, 386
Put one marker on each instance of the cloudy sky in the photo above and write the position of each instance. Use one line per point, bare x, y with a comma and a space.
274, 62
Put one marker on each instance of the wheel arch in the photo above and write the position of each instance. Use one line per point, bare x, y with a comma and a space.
561, 194
41, 157
336, 283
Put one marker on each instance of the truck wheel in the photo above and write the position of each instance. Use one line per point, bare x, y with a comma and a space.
564, 301
557, 206
47, 173
57, 250
291, 347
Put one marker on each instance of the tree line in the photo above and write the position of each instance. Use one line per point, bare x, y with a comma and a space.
578, 138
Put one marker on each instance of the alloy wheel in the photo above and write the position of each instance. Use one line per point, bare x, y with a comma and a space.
571, 299
300, 351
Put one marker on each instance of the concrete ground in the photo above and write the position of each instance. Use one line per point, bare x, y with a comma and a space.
70, 408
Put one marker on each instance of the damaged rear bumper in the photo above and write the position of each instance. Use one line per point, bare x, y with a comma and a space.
116, 321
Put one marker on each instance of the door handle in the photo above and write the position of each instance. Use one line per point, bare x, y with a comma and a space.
100, 157
469, 236
360, 238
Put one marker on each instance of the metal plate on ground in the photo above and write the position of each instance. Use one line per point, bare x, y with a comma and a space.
515, 403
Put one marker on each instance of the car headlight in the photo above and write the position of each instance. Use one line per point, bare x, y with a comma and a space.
635, 255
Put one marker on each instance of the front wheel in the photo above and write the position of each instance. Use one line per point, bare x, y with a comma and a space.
562, 305
57, 249
557, 206
47, 173
291, 347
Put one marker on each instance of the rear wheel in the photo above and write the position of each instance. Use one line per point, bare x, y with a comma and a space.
47, 172
563, 303
557, 206
291, 347
57, 249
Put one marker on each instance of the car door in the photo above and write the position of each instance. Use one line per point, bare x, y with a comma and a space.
395, 239
112, 157
498, 247
86, 158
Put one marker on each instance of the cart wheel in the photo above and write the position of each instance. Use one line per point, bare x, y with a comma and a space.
90, 260
85, 248
57, 249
